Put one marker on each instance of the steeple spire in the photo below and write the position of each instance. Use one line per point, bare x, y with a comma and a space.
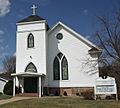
34, 9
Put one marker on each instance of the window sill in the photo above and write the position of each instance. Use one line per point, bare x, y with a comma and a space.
65, 80
62, 80
30, 48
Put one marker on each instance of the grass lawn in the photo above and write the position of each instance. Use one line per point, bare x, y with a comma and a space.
62, 102
5, 96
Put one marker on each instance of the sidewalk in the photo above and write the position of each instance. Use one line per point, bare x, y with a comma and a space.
5, 101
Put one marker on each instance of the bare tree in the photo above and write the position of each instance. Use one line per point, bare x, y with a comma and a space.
9, 64
109, 38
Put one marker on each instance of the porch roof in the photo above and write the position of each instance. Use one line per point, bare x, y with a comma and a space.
24, 74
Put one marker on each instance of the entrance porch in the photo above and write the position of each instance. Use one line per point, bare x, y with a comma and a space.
28, 83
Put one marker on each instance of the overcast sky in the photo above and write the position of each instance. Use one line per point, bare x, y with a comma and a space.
80, 15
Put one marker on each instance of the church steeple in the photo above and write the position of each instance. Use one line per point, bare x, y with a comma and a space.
34, 9
32, 17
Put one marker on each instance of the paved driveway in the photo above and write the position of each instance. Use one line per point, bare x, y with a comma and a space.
5, 101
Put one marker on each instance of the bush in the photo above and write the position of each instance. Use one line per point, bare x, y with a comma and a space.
88, 94
8, 88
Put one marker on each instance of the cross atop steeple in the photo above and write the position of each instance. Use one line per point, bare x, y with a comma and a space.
33, 9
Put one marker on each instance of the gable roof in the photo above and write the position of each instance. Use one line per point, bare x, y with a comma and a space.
90, 44
31, 18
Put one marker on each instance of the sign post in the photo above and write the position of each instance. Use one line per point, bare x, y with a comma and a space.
105, 86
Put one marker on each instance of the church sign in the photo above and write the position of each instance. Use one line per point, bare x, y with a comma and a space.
105, 89
105, 86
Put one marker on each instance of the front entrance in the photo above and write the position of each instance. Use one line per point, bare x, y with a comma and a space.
30, 85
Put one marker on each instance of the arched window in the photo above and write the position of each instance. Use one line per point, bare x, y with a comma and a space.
60, 65
30, 68
56, 69
30, 41
64, 68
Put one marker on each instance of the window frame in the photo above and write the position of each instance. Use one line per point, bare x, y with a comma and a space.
54, 69
60, 70
26, 69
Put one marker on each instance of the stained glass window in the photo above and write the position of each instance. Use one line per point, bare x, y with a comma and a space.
60, 65
64, 66
30, 68
56, 69
30, 41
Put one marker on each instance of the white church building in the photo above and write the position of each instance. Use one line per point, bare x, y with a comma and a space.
53, 60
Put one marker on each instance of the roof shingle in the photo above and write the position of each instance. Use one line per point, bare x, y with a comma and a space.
31, 18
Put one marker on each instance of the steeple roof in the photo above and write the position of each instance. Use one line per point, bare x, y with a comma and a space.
31, 18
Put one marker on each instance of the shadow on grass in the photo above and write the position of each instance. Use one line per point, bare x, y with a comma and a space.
5, 96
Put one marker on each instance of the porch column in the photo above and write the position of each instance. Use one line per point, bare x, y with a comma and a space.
22, 85
14, 83
39, 86
42, 85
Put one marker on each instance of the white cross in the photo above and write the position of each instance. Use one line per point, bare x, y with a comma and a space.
33, 9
